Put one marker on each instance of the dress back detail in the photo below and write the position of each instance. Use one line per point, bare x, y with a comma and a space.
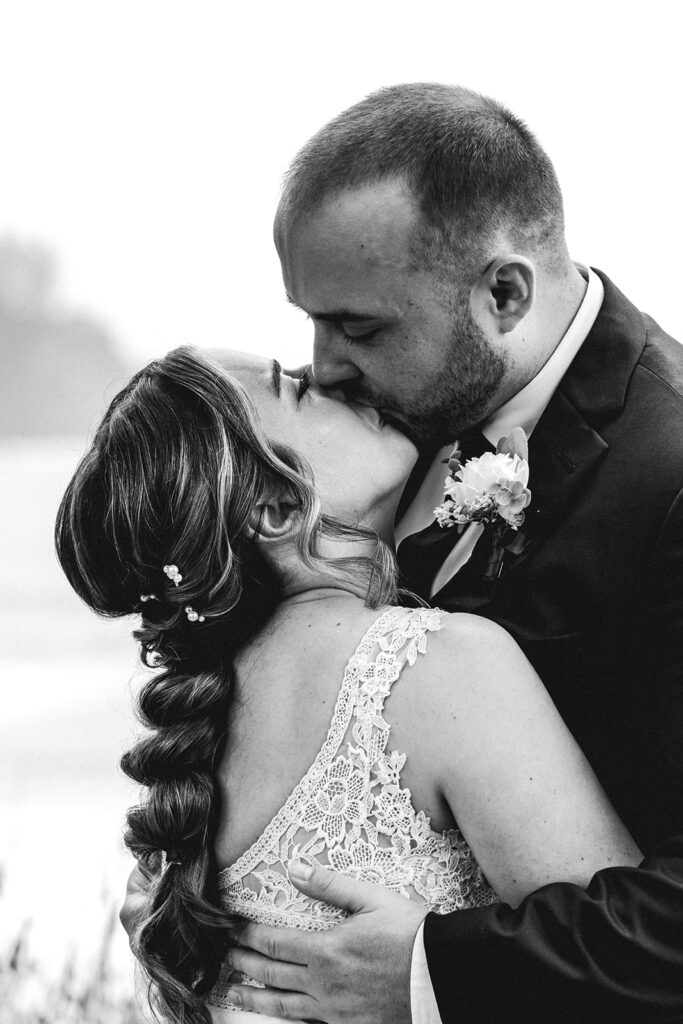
350, 812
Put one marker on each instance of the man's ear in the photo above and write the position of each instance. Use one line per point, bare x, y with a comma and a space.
273, 520
505, 293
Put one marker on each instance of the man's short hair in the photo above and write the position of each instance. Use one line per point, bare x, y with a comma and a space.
472, 166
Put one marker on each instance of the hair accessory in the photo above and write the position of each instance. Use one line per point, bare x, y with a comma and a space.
192, 615
173, 574
168, 859
148, 597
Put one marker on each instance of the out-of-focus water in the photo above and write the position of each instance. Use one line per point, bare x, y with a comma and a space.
66, 686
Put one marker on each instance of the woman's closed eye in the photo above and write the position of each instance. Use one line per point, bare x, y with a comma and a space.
304, 384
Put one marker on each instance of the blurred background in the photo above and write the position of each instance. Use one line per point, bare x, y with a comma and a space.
143, 146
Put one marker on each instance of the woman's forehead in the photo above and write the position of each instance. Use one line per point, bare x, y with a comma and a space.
234, 360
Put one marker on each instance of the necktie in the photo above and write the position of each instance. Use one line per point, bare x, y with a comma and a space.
473, 443
421, 555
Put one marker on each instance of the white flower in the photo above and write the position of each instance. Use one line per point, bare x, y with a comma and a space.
482, 475
493, 486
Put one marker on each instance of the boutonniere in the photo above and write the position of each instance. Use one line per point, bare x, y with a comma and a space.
491, 490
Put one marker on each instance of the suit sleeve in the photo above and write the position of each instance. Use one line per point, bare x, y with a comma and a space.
664, 635
610, 954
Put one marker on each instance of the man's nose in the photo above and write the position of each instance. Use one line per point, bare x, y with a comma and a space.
331, 361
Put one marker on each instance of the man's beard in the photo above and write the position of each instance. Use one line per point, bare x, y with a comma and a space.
459, 397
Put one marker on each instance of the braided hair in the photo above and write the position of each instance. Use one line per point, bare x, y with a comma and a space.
160, 519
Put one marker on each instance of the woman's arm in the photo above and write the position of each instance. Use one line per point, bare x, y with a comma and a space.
514, 778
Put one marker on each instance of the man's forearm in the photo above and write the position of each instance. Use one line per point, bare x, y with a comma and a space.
611, 954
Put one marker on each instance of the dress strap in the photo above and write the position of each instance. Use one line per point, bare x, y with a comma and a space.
396, 648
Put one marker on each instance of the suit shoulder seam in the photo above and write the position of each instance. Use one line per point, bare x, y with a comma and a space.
662, 380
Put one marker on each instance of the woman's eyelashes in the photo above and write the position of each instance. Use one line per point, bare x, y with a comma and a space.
303, 385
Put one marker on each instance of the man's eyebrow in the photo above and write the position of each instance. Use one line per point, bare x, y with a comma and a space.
275, 377
337, 316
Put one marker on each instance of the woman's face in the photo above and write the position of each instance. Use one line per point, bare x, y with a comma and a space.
359, 463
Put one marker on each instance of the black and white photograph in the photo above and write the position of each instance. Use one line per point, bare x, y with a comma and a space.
341, 518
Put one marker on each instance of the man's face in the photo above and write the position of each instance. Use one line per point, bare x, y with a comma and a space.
387, 334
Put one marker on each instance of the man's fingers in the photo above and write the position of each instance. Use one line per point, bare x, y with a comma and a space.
348, 893
273, 973
290, 944
292, 1005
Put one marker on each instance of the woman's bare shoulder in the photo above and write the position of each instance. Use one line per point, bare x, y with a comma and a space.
468, 646
473, 680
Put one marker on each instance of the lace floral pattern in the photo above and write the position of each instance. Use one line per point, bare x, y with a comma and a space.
350, 812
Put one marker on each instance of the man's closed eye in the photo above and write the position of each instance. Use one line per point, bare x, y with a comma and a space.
359, 335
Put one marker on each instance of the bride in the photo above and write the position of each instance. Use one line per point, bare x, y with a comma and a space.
296, 711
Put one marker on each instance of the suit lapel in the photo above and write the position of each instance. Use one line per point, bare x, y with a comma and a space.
563, 450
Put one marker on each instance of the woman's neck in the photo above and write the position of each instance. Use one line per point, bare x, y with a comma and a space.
296, 614
330, 574
312, 593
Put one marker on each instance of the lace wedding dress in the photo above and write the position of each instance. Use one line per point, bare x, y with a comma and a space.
350, 812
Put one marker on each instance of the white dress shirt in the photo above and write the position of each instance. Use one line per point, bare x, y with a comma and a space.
523, 410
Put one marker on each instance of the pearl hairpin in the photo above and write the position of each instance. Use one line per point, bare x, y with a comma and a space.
173, 574
192, 615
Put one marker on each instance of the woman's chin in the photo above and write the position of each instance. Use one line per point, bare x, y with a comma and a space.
406, 454
405, 443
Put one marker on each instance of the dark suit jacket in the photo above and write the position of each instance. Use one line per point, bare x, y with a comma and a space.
593, 593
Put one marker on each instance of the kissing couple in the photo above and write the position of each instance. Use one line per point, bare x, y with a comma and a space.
415, 730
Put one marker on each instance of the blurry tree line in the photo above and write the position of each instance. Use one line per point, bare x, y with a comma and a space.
58, 367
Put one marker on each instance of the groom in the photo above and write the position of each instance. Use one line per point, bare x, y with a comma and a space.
422, 231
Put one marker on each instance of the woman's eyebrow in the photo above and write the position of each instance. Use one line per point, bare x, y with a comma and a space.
275, 377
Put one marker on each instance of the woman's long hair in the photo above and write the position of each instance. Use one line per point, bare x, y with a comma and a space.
174, 478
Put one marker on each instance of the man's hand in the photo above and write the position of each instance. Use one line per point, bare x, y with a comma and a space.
358, 971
